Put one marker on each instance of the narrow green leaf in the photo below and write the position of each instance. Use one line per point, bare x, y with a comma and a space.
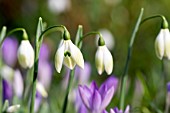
39, 29
79, 35
2, 35
5, 106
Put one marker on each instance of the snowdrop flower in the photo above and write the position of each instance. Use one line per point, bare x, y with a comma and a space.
103, 58
12, 109
68, 53
162, 43
26, 54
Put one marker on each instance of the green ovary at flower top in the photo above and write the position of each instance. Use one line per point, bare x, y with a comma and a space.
103, 58
68, 53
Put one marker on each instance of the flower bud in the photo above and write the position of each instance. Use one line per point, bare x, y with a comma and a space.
104, 60
26, 54
162, 44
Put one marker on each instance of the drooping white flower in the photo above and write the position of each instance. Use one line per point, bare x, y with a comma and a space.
104, 60
69, 54
162, 44
26, 54
13, 108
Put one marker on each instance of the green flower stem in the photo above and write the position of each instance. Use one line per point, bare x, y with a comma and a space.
71, 76
88, 34
25, 36
51, 29
2, 36
164, 21
124, 75
1, 93
39, 38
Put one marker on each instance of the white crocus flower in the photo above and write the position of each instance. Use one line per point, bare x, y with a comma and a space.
69, 54
162, 44
12, 109
104, 60
26, 54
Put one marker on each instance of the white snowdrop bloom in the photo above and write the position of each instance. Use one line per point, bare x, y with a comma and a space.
59, 6
40, 88
26, 54
18, 84
69, 54
7, 73
104, 60
12, 109
108, 38
162, 44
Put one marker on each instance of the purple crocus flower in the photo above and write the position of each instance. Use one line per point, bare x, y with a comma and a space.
167, 98
44, 68
38, 100
80, 107
96, 99
168, 87
45, 73
116, 110
18, 84
44, 52
83, 75
7, 91
9, 51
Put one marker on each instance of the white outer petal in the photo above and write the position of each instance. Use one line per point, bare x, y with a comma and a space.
69, 62
26, 54
76, 54
59, 56
167, 43
108, 60
159, 44
99, 60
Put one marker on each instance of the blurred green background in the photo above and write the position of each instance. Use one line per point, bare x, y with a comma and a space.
118, 16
